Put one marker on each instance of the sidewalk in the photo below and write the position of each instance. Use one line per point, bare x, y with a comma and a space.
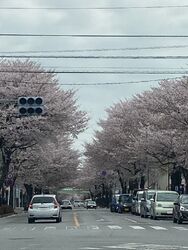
17, 210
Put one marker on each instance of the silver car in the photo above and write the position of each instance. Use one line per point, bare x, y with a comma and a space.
44, 206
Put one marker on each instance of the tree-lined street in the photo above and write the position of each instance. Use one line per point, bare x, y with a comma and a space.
92, 229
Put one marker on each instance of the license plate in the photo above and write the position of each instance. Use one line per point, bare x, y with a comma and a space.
169, 212
126, 209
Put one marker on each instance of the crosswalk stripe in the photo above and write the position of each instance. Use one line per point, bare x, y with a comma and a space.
114, 227
181, 228
93, 227
158, 228
137, 227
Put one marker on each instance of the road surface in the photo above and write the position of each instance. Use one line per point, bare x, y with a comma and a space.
99, 229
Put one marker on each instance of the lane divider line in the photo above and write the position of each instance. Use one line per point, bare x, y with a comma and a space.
75, 219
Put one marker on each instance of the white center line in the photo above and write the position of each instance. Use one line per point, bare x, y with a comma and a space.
137, 227
158, 228
114, 227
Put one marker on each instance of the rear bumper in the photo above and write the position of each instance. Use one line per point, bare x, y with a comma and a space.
53, 214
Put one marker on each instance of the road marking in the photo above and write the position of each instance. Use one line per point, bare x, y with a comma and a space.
33, 228
90, 248
49, 228
114, 227
93, 227
75, 219
100, 219
71, 227
138, 246
134, 221
137, 227
158, 228
181, 228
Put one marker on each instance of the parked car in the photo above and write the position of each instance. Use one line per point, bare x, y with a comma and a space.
162, 204
77, 203
85, 202
180, 209
145, 203
44, 206
124, 203
91, 204
114, 203
66, 204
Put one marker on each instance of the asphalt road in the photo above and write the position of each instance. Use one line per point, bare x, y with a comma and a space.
98, 229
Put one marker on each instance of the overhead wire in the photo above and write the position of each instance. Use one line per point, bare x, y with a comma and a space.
90, 50
95, 35
96, 83
95, 8
133, 72
94, 57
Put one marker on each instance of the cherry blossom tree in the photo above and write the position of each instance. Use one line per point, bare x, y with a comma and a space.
19, 134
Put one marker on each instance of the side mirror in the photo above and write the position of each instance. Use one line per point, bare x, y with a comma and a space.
176, 203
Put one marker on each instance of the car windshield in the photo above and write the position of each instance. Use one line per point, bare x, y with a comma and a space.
184, 200
150, 195
167, 197
91, 202
65, 202
43, 200
140, 195
126, 198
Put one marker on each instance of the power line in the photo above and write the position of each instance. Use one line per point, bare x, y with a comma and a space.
93, 57
133, 72
88, 50
95, 8
94, 35
96, 83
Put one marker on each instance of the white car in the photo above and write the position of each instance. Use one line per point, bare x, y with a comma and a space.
139, 196
44, 206
162, 204
66, 204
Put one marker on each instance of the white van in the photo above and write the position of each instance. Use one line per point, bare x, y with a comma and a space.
162, 204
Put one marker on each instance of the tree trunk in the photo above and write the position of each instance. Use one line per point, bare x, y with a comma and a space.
29, 192
185, 174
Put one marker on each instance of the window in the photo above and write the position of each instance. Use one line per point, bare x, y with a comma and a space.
167, 197
45, 199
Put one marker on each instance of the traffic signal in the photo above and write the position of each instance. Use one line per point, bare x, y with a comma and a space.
30, 105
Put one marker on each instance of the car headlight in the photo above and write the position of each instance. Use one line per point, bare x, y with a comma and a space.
182, 208
159, 205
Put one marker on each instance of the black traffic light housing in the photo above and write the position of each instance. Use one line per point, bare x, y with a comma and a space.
30, 105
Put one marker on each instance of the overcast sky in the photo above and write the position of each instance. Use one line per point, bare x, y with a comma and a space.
95, 99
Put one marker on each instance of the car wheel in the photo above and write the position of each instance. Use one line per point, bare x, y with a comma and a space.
179, 221
58, 220
174, 219
31, 220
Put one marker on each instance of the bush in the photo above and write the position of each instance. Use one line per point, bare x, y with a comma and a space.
5, 209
